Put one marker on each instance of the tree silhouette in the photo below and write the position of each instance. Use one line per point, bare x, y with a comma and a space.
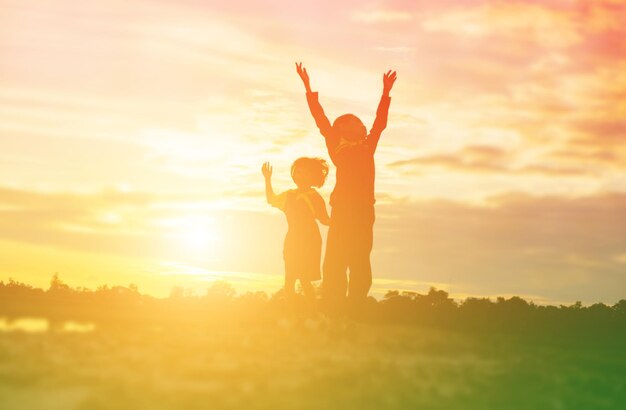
118, 305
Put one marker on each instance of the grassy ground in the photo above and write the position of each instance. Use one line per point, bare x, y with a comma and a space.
307, 367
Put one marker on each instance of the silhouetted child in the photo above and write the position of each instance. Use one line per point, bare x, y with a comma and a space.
302, 206
350, 236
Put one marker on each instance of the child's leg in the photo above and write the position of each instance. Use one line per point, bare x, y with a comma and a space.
335, 281
290, 296
309, 296
290, 286
360, 272
308, 290
360, 277
360, 267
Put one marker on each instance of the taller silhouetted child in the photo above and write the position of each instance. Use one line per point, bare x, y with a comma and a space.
350, 236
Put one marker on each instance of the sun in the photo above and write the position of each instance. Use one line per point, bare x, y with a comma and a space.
192, 235
197, 238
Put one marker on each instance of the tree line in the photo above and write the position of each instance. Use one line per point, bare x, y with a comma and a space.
126, 305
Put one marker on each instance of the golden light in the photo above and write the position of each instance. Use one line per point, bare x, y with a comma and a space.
193, 235
198, 238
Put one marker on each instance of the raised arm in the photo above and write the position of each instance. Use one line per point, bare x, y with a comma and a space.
380, 123
314, 106
304, 76
266, 169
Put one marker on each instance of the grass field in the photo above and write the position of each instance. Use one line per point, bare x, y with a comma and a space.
315, 366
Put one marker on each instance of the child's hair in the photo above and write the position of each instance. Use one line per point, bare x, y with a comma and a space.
350, 127
307, 172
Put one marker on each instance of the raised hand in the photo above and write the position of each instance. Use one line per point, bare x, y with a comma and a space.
266, 169
388, 79
304, 76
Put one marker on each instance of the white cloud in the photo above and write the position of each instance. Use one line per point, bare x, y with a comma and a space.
381, 16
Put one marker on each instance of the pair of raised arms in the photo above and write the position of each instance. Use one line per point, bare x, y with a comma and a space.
388, 79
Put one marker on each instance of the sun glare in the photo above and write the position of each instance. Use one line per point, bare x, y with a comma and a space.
198, 238
191, 235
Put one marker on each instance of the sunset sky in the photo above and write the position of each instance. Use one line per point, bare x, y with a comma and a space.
132, 135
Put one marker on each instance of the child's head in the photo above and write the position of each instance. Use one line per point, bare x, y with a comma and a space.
350, 127
308, 172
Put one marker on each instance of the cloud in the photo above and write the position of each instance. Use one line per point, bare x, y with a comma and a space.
521, 22
394, 49
472, 158
621, 258
600, 155
551, 170
486, 159
87, 222
381, 16
155, 227
561, 248
606, 132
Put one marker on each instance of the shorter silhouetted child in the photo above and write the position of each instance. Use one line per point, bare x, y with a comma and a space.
303, 206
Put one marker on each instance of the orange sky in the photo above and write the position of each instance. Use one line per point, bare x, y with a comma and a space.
132, 134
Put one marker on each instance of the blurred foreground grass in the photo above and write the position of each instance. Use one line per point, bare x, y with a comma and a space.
314, 366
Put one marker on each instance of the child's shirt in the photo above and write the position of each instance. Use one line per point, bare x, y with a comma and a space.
302, 207
354, 160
